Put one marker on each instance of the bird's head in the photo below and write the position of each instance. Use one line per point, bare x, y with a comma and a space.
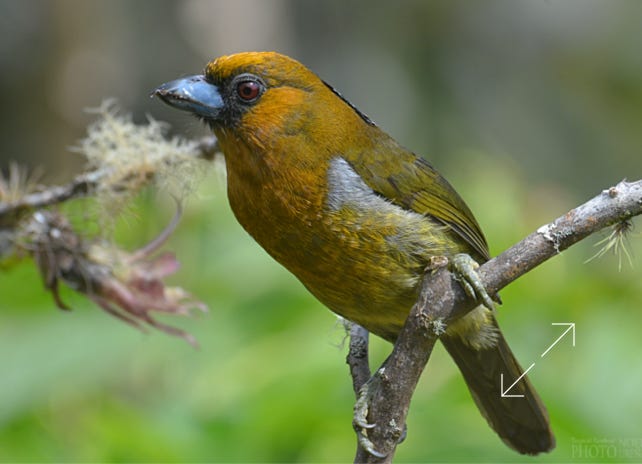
261, 95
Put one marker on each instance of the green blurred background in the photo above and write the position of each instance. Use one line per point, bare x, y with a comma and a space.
528, 107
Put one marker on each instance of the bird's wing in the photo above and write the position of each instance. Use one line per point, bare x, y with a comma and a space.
412, 183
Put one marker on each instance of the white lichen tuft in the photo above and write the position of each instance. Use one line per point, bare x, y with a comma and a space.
17, 183
131, 155
555, 235
615, 242
438, 326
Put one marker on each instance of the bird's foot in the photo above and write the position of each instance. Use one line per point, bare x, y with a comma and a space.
465, 269
360, 419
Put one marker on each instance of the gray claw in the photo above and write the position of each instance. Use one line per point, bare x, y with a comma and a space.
465, 268
367, 445
360, 420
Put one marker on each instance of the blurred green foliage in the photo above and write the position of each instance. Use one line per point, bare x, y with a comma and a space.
528, 107
269, 382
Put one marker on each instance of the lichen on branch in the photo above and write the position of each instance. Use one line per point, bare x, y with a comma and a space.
122, 158
132, 154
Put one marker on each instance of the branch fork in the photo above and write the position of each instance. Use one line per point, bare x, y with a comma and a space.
442, 300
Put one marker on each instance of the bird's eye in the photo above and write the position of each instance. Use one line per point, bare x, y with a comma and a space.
248, 90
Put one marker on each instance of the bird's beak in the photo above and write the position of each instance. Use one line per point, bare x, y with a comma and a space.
194, 94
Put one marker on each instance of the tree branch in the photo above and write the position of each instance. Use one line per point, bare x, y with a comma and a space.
442, 300
81, 186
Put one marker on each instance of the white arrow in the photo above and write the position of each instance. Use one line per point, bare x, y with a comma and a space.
571, 326
504, 392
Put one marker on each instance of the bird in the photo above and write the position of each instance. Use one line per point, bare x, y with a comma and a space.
354, 215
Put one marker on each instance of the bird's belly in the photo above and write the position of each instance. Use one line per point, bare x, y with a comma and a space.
377, 298
359, 254
367, 267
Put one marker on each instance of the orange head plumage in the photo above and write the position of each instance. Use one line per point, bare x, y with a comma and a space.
263, 96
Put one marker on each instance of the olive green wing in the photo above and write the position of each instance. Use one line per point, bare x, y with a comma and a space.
412, 183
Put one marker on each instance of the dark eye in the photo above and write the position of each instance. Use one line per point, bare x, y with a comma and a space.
248, 90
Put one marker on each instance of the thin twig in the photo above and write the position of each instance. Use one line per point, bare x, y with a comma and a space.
357, 359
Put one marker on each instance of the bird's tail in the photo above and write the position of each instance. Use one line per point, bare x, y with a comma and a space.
521, 422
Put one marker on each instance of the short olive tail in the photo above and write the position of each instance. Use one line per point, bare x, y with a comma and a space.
521, 422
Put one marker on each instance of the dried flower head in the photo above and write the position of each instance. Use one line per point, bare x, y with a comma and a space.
128, 286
